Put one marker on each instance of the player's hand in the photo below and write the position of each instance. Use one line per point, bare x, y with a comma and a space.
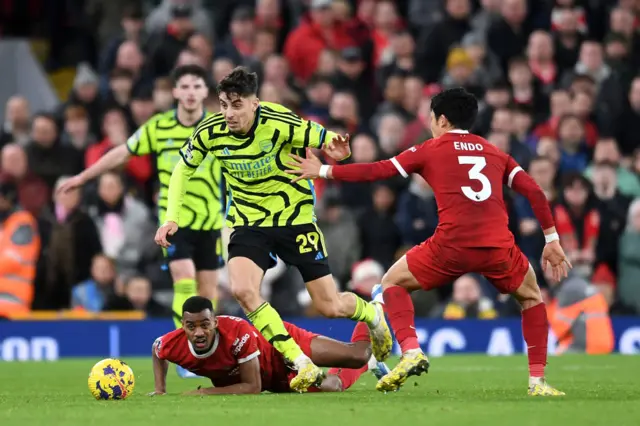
305, 168
338, 148
70, 184
553, 257
167, 229
156, 393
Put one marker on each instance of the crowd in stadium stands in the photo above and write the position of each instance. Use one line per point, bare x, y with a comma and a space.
558, 88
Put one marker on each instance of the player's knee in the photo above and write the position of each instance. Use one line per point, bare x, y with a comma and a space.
328, 309
362, 355
244, 293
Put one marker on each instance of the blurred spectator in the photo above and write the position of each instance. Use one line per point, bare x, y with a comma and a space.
390, 129
462, 71
92, 294
417, 212
350, 76
319, 91
578, 223
385, 22
365, 274
221, 68
276, 72
188, 56
487, 68
137, 297
72, 244
48, 157
413, 88
162, 16
165, 46
357, 195
19, 250
131, 29
629, 261
488, 13
540, 52
434, 42
265, 45
567, 40
16, 123
591, 63
543, 171
612, 207
606, 151
76, 129
582, 106
503, 122
523, 86
123, 223
162, 94
200, 45
239, 44
559, 105
116, 133
627, 126
120, 88
344, 107
579, 318
467, 301
622, 22
85, 92
130, 58
340, 234
497, 96
419, 130
142, 108
522, 130
379, 234
401, 56
507, 37
33, 192
568, 6
571, 139
317, 31
107, 17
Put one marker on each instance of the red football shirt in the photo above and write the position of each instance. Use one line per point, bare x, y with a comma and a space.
467, 174
236, 342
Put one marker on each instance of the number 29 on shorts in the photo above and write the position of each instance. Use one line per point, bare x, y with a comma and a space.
308, 242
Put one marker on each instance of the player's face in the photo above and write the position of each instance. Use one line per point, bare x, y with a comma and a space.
238, 111
190, 91
200, 329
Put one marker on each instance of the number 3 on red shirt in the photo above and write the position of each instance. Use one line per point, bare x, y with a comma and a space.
475, 173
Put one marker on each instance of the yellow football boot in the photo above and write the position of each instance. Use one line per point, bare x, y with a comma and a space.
381, 338
411, 364
309, 375
540, 387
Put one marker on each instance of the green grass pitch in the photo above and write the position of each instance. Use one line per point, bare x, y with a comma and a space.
459, 390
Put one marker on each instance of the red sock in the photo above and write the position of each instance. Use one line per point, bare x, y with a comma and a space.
348, 376
360, 333
535, 329
399, 308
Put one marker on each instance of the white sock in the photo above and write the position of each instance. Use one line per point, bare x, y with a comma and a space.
379, 298
301, 361
412, 352
536, 381
373, 363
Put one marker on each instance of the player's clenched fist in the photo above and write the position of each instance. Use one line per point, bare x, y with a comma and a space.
168, 228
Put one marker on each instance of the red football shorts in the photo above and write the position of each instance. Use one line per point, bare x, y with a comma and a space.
434, 265
303, 338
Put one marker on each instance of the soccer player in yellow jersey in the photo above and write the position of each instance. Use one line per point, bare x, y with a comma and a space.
196, 253
270, 215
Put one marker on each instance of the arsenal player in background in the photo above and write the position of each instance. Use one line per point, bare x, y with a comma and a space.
239, 360
467, 175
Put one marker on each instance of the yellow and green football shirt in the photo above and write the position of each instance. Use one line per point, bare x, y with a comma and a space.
163, 136
260, 192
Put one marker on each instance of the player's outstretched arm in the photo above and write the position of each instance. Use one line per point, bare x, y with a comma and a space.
250, 382
404, 164
160, 367
112, 159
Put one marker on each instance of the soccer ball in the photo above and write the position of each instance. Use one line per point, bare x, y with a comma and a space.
111, 379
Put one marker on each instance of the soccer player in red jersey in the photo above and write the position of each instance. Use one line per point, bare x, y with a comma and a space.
467, 175
239, 360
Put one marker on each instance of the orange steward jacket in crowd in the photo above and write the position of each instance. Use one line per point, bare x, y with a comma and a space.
19, 251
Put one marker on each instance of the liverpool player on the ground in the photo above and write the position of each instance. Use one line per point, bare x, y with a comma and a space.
239, 360
467, 175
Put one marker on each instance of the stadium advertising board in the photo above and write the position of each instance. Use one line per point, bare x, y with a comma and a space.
51, 340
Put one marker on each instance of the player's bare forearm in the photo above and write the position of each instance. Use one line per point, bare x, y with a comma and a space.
160, 368
177, 189
363, 172
112, 159
237, 389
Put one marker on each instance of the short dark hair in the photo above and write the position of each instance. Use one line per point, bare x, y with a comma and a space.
196, 304
459, 106
195, 70
240, 81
